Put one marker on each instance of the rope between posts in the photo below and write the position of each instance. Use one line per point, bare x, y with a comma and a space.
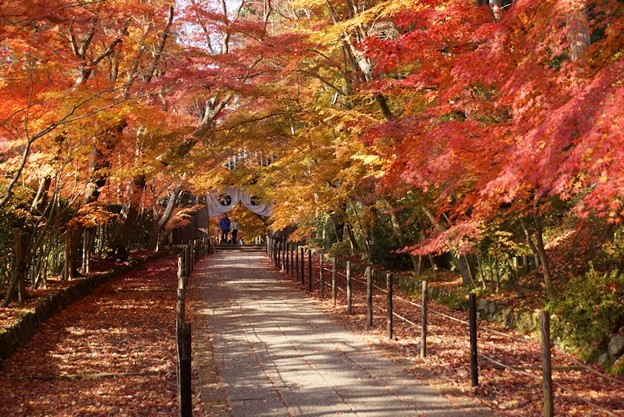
502, 365
517, 371
439, 313
341, 290
586, 401
356, 279
582, 365
492, 331
404, 319
515, 338
496, 332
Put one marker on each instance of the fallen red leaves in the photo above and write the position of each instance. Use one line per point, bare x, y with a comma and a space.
110, 353
113, 353
515, 393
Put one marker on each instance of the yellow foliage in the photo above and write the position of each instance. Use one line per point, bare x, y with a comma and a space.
92, 215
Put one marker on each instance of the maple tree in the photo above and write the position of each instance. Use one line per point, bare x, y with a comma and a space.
70, 80
470, 131
477, 125
477, 79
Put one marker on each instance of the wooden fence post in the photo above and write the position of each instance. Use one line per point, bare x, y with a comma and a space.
187, 260
389, 305
474, 364
180, 313
191, 245
369, 296
302, 266
349, 306
546, 364
423, 319
333, 279
185, 393
292, 261
181, 265
321, 280
180, 309
310, 270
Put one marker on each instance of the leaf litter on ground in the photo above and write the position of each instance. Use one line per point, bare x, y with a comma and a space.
511, 384
111, 353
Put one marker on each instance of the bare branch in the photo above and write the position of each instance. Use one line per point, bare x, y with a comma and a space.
204, 28
161, 46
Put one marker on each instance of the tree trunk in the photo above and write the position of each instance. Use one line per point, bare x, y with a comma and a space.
496, 6
462, 265
68, 270
537, 247
578, 31
352, 239
132, 212
99, 173
398, 232
18, 281
159, 236
339, 225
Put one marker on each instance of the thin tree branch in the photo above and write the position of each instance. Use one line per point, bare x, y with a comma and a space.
161, 46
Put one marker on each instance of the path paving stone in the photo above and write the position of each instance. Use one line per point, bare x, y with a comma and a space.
278, 354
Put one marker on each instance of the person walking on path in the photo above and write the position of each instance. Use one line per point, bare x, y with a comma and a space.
234, 228
224, 224
265, 350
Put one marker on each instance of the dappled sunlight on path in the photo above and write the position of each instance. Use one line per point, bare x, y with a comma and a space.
277, 354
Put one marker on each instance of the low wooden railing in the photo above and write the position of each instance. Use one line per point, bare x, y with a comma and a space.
290, 257
188, 257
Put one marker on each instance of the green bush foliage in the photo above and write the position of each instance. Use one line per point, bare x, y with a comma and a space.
13, 215
589, 310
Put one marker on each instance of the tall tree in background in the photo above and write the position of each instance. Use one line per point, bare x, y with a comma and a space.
516, 112
444, 120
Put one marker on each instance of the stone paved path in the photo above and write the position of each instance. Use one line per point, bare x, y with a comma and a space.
272, 352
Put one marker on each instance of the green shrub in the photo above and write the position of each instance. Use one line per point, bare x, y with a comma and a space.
340, 249
588, 311
15, 214
618, 367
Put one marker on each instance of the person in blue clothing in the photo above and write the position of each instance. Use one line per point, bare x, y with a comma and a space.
224, 224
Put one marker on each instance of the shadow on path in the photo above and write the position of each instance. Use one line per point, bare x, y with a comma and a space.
264, 349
